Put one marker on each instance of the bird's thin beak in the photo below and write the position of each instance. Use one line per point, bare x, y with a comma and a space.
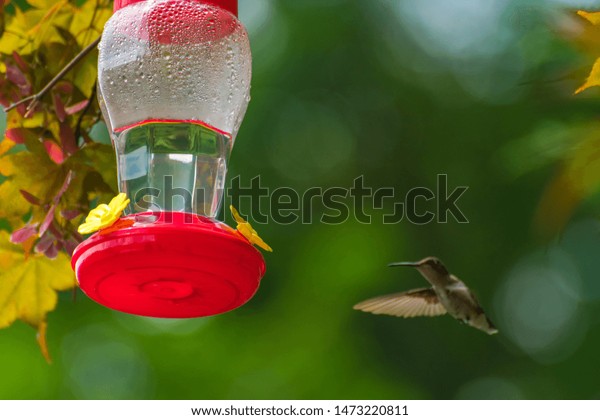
404, 264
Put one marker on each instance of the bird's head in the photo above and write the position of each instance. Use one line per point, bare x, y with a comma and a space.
483, 323
429, 264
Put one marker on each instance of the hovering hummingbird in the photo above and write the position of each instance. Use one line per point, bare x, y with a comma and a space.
448, 295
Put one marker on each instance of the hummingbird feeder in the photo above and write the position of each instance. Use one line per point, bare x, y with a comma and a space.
173, 85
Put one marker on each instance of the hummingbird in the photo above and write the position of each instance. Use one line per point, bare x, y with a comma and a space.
448, 295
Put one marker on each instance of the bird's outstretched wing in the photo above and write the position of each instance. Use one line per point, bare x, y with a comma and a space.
416, 302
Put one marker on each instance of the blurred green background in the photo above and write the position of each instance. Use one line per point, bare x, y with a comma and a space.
397, 91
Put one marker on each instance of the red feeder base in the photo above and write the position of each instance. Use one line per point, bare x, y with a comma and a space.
169, 265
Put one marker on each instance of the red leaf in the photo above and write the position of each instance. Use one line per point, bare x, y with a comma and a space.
47, 220
18, 135
21, 235
54, 151
59, 107
63, 187
53, 230
70, 246
64, 87
22, 108
73, 109
20, 62
67, 139
52, 251
15, 75
3, 98
69, 214
32, 199
44, 243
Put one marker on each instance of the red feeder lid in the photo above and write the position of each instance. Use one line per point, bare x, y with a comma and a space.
169, 265
183, 21
230, 5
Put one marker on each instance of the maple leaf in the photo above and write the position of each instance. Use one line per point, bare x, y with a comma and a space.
29, 285
34, 173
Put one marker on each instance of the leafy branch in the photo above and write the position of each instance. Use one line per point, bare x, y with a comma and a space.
34, 99
50, 167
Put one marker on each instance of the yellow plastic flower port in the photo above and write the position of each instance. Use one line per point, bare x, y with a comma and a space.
246, 230
105, 215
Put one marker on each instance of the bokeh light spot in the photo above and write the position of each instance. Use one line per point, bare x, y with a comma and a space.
490, 388
102, 365
539, 306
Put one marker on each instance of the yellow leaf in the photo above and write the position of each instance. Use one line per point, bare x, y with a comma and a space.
16, 36
10, 42
7, 259
41, 339
589, 41
57, 14
28, 286
32, 172
27, 31
89, 20
14, 206
14, 120
593, 79
592, 17
577, 179
42, 4
84, 77
6, 145
35, 121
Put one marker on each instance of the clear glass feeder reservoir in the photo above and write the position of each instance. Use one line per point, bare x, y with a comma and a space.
173, 84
